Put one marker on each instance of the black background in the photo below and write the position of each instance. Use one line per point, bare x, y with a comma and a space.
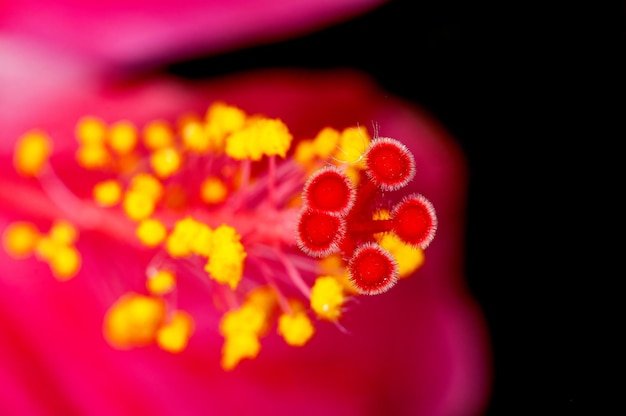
533, 93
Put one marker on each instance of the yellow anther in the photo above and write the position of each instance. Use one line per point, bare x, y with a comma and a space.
65, 262
158, 134
180, 240
91, 131
221, 121
275, 137
353, 142
295, 328
93, 156
107, 193
32, 151
262, 297
327, 298
45, 248
213, 190
133, 320
20, 239
227, 256
63, 232
123, 137
165, 161
161, 282
260, 136
137, 205
175, 334
194, 137
148, 185
305, 152
248, 318
151, 232
409, 258
202, 242
237, 347
326, 142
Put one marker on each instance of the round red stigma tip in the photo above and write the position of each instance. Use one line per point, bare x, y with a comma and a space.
389, 163
319, 233
372, 269
414, 220
329, 190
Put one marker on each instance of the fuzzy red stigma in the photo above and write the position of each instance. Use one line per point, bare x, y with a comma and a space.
372, 269
389, 163
414, 220
319, 233
329, 190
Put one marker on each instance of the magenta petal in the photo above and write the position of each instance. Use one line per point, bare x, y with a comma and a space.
117, 31
422, 348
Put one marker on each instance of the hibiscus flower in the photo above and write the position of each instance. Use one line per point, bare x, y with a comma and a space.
109, 308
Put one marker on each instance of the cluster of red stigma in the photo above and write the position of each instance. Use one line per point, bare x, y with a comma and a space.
339, 217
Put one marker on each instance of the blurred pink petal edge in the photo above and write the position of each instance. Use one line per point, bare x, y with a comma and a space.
422, 348
126, 32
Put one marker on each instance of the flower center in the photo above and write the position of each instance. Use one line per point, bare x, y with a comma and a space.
282, 230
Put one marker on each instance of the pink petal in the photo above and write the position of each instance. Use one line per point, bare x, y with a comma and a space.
421, 348
123, 32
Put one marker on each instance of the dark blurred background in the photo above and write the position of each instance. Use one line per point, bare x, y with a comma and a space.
533, 93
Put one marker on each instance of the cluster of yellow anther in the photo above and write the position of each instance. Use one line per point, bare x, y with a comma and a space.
344, 148
144, 169
221, 247
242, 327
140, 320
56, 248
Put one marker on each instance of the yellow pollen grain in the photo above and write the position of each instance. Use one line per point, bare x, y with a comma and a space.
161, 282
296, 329
31, 153
123, 137
213, 190
137, 205
157, 134
174, 335
91, 130
19, 239
107, 193
151, 232
327, 298
133, 320
165, 161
